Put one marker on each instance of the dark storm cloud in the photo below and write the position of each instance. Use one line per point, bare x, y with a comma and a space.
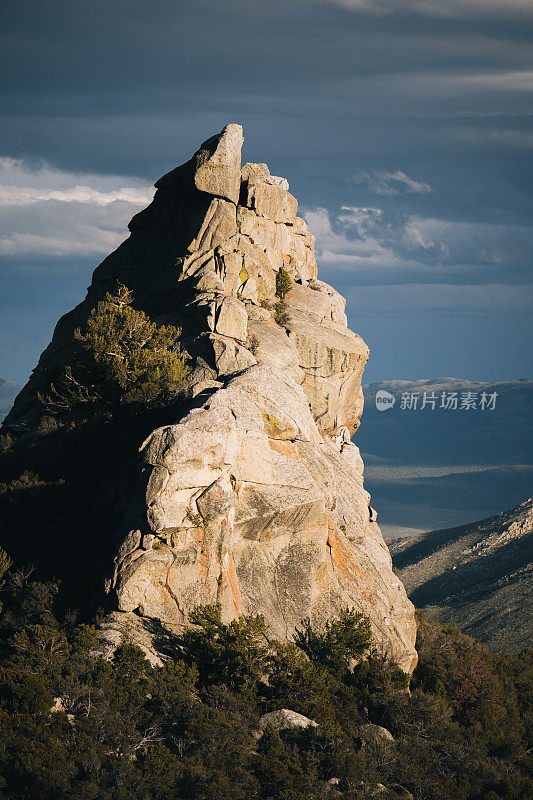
362, 104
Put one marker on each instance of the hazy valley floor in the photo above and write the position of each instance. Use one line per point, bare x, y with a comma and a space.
419, 498
433, 468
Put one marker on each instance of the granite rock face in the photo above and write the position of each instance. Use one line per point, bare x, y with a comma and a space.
255, 497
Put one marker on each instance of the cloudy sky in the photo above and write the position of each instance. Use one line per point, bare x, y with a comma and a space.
403, 126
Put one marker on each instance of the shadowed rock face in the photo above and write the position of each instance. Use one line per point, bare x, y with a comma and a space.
255, 498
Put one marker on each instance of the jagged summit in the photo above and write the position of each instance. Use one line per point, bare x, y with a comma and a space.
204, 254
254, 497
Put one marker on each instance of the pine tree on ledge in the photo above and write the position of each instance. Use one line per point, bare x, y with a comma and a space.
124, 358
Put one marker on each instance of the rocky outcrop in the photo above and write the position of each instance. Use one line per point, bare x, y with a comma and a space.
284, 720
255, 497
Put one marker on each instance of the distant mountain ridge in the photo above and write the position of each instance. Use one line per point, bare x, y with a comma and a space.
8, 392
477, 576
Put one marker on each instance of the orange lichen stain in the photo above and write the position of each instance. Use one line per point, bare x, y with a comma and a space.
276, 428
228, 583
287, 261
284, 448
347, 566
233, 583
200, 535
203, 564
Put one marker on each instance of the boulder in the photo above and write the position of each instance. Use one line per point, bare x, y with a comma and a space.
371, 733
267, 195
333, 359
218, 164
272, 202
232, 319
284, 720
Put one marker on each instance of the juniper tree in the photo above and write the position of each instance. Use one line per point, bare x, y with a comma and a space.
283, 283
124, 357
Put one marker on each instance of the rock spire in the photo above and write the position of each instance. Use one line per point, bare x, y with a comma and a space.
254, 498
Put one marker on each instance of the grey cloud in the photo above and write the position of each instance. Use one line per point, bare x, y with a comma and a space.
50, 212
369, 245
442, 8
389, 183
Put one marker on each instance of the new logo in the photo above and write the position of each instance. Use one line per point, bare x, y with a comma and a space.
384, 400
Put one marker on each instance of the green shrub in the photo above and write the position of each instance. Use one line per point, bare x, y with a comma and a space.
47, 425
340, 641
29, 480
280, 313
252, 343
283, 283
236, 653
6, 443
124, 358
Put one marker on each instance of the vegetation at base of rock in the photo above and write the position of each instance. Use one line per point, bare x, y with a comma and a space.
124, 358
74, 726
280, 313
283, 283
341, 640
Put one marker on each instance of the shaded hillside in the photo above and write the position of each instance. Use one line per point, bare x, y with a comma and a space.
477, 576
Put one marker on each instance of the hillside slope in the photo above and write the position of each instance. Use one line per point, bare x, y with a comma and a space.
477, 576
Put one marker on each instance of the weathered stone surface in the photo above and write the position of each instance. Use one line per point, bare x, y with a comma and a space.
267, 194
218, 161
232, 319
284, 719
271, 344
254, 496
229, 355
253, 508
220, 224
333, 359
273, 202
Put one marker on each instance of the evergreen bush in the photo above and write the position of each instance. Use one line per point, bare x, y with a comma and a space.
124, 358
